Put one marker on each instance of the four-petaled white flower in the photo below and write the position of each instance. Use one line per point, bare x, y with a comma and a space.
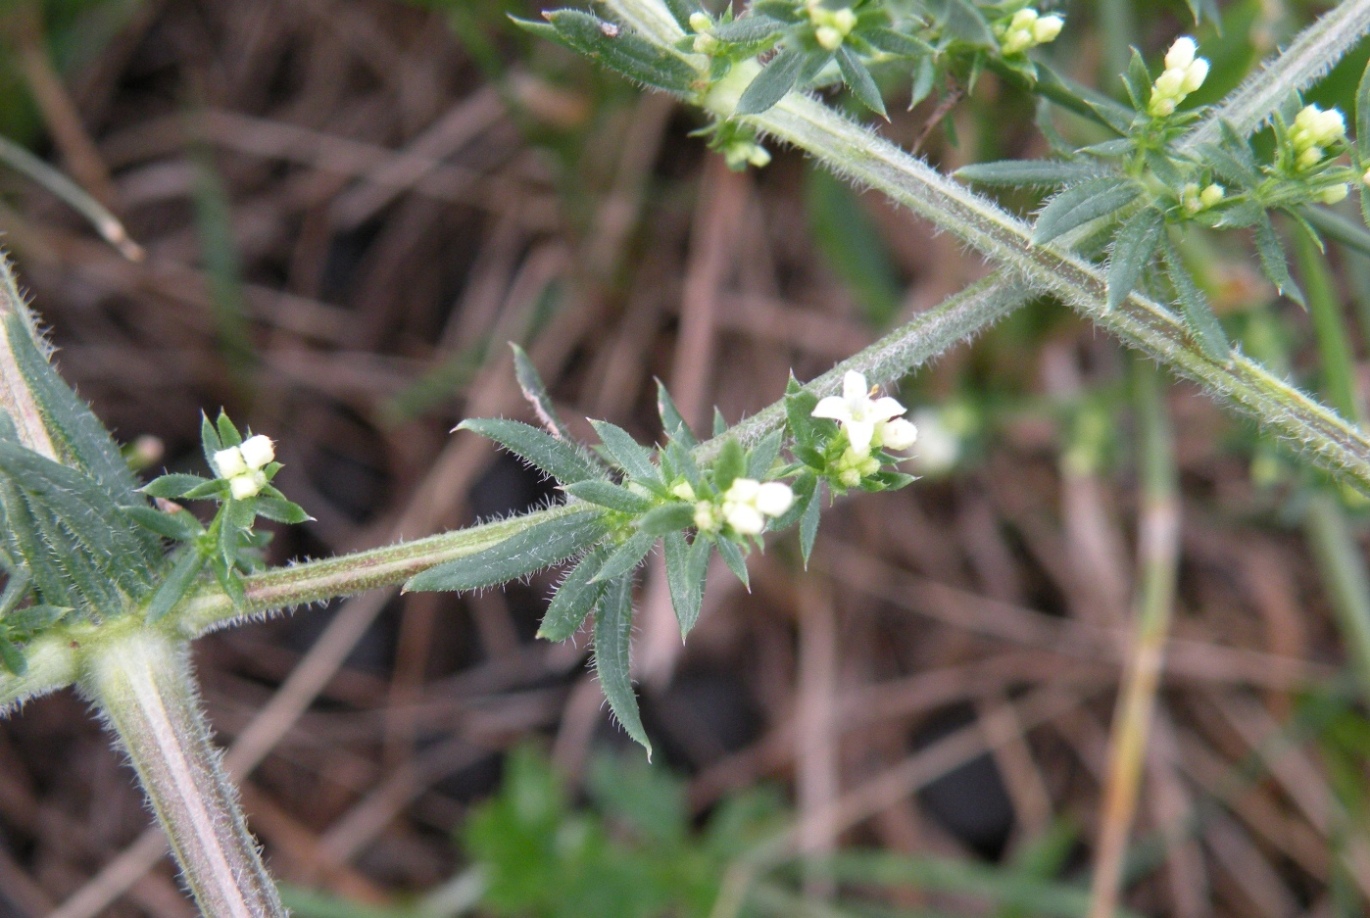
748, 502
241, 466
868, 422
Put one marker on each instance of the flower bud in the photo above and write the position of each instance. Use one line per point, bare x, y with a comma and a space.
258, 451
230, 462
248, 484
1194, 75
1181, 53
829, 37
1046, 29
700, 22
1211, 195
1170, 82
1309, 158
898, 434
774, 497
1334, 194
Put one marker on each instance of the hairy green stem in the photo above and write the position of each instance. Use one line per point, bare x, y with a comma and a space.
142, 685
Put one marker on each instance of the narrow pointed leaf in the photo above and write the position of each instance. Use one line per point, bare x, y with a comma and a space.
613, 657
1079, 204
960, 19
626, 557
81, 440
799, 406
25, 542
681, 11
1273, 261
764, 454
731, 464
607, 494
858, 80
82, 505
558, 459
173, 487
687, 564
282, 511
34, 619
898, 43
177, 584
575, 598
530, 550
631, 456
736, 561
535, 391
1048, 173
620, 49
672, 421
667, 518
808, 525
720, 423
209, 440
181, 526
228, 432
1132, 251
749, 29
12, 658
772, 84
1203, 324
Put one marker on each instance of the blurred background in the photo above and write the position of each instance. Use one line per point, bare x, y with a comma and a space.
348, 209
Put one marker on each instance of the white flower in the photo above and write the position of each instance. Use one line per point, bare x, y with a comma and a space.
248, 484
230, 463
258, 451
748, 502
857, 412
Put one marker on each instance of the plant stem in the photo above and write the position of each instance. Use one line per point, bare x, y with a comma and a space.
142, 685
1159, 560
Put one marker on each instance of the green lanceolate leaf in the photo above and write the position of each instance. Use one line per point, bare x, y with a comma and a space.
808, 525
12, 658
559, 459
858, 79
667, 518
961, 20
25, 542
731, 464
530, 550
749, 29
736, 561
672, 421
1132, 251
282, 511
897, 43
681, 463
228, 431
1273, 262
32, 620
626, 557
1079, 204
1046, 173
772, 84
95, 524
606, 494
209, 439
618, 48
575, 598
1203, 324
176, 584
535, 391
687, 564
632, 457
181, 526
174, 487
681, 10
799, 406
720, 423
764, 454
613, 652
81, 440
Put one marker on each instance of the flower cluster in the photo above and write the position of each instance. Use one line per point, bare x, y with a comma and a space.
242, 466
1315, 130
745, 507
870, 424
830, 27
1026, 30
1183, 74
1195, 200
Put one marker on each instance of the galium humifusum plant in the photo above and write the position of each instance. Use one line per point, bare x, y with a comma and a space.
108, 582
